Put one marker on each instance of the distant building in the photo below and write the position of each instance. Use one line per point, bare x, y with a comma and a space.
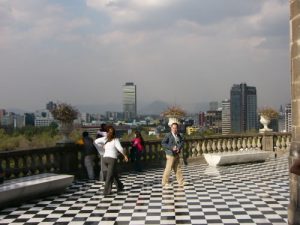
192, 129
42, 122
113, 116
85, 117
281, 120
43, 118
29, 119
202, 119
12, 120
50, 106
213, 120
129, 101
2, 113
243, 108
288, 118
226, 122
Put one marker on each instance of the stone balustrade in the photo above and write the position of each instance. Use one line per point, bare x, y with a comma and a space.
68, 158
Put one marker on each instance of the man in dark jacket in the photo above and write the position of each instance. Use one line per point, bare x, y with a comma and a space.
173, 145
89, 151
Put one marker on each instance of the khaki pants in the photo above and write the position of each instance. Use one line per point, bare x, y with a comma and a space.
172, 162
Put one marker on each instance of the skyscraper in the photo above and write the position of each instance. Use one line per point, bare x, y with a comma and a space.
288, 117
243, 108
129, 101
226, 125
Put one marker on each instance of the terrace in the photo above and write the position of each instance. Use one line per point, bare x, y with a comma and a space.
252, 193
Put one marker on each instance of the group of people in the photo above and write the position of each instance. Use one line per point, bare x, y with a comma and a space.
109, 148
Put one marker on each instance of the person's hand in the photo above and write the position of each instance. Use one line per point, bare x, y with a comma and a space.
126, 158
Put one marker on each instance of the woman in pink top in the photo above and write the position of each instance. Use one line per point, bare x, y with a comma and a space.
137, 150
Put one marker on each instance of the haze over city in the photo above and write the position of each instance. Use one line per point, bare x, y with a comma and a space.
180, 52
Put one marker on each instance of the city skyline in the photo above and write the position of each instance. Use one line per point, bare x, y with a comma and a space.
178, 52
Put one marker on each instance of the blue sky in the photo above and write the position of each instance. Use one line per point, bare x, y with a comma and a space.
176, 51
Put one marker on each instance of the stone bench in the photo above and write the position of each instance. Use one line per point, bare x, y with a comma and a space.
18, 190
227, 158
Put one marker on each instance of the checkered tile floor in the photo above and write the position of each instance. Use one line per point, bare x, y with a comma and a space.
256, 193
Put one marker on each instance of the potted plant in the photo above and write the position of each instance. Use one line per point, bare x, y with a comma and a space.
65, 114
266, 114
173, 113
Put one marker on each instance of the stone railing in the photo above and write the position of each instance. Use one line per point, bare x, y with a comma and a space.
68, 159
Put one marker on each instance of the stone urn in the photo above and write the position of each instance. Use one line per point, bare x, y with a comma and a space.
265, 121
65, 130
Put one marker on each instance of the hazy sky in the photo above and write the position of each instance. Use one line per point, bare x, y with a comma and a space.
177, 51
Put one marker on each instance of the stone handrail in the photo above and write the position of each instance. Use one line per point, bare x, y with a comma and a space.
68, 158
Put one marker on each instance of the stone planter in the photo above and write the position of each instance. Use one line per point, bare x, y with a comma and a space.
65, 130
265, 121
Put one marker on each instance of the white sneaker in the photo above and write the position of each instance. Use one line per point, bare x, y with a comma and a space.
167, 186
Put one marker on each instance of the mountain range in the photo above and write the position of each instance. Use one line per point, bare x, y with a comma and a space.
152, 108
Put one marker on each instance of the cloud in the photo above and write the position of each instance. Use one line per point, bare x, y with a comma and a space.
99, 45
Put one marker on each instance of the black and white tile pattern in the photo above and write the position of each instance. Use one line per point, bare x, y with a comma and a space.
256, 193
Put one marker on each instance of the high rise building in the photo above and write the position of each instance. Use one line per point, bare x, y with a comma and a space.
129, 101
281, 120
288, 118
226, 125
243, 108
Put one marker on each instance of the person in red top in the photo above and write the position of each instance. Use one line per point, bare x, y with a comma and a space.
137, 150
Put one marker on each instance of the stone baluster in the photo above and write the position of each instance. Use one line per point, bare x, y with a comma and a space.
239, 145
259, 143
199, 150
254, 143
229, 145
288, 142
244, 143
204, 149
208, 146
213, 146
234, 145
219, 146
224, 145
283, 143
248, 142
278, 145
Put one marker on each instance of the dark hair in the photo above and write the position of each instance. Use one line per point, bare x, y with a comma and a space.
175, 124
139, 135
111, 133
103, 127
85, 134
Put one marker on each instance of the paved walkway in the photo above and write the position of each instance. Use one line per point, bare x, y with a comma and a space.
256, 193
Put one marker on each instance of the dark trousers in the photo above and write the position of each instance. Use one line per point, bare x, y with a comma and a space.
110, 165
136, 159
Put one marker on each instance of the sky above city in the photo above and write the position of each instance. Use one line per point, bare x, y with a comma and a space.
177, 51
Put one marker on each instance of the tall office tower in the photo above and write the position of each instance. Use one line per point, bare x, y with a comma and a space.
243, 108
281, 120
129, 101
288, 118
201, 119
226, 125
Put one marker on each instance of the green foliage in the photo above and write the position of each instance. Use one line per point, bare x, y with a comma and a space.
29, 137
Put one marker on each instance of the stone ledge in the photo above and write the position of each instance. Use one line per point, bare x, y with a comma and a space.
227, 158
18, 190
